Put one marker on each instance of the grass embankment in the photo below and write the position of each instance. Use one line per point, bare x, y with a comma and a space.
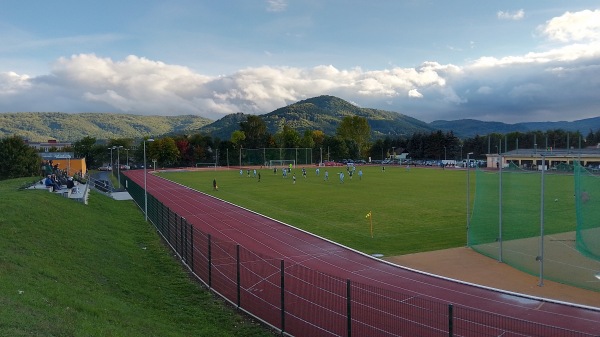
67, 269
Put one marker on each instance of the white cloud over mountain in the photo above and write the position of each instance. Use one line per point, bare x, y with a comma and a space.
543, 85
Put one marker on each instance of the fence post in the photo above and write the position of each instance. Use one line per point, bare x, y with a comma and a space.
181, 240
237, 257
450, 320
282, 297
349, 308
192, 246
209, 262
184, 248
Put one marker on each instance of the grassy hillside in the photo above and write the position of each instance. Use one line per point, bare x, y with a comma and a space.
41, 126
324, 113
67, 269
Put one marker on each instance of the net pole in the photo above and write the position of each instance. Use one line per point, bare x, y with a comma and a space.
468, 193
541, 257
500, 212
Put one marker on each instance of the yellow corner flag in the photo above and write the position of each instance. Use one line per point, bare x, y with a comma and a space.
370, 217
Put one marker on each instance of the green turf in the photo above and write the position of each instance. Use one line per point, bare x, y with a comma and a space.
67, 269
422, 209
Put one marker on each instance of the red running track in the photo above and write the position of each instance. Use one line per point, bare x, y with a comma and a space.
272, 238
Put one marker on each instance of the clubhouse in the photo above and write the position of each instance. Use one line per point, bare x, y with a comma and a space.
531, 159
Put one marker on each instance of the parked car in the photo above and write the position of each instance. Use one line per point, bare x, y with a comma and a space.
105, 168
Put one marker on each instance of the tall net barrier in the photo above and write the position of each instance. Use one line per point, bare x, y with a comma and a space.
527, 219
587, 196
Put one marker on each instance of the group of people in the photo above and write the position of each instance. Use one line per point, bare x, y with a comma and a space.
350, 170
56, 178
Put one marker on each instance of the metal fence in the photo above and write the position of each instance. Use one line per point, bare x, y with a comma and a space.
300, 301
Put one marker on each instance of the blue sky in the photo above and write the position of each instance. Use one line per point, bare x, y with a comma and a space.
509, 61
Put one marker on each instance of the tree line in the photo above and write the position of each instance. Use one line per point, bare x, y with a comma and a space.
352, 140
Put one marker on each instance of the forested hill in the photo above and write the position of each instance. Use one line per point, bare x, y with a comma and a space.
324, 113
41, 126
318, 113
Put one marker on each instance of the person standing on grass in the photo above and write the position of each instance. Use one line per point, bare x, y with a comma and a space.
341, 177
326, 176
259, 177
294, 177
215, 187
360, 174
241, 172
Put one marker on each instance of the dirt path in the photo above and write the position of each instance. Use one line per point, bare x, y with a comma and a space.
467, 265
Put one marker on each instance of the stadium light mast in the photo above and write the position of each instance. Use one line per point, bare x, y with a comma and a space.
145, 181
111, 157
468, 194
119, 165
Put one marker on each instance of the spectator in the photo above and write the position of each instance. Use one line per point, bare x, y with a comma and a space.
70, 183
49, 182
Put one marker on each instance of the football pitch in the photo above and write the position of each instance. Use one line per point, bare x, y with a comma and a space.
420, 209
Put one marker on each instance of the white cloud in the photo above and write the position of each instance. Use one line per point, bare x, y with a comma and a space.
12, 83
573, 27
276, 5
543, 85
414, 93
517, 15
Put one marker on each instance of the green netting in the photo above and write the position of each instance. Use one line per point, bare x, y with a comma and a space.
506, 224
587, 193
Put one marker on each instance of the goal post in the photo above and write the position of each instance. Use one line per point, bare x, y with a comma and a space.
206, 165
284, 163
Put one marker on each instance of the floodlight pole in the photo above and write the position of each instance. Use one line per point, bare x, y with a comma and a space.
119, 166
111, 158
500, 210
321, 163
540, 258
145, 182
468, 194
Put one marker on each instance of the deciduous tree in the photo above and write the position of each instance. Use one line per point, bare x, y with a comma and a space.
17, 159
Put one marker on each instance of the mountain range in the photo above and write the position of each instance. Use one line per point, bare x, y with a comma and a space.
317, 113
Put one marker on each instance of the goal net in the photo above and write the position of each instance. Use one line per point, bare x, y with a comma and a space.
206, 165
282, 163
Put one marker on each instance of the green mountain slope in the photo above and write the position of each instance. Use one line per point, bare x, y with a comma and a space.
318, 113
323, 113
41, 126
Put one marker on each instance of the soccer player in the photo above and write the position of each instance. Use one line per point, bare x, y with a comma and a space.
294, 177
360, 174
326, 175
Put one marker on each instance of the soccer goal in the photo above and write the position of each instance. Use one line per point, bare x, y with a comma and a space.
284, 163
206, 165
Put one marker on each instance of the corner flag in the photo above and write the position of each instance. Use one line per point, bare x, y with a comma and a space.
370, 217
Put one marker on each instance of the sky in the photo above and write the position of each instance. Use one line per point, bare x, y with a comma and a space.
509, 61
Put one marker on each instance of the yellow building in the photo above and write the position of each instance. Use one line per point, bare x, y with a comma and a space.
66, 161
